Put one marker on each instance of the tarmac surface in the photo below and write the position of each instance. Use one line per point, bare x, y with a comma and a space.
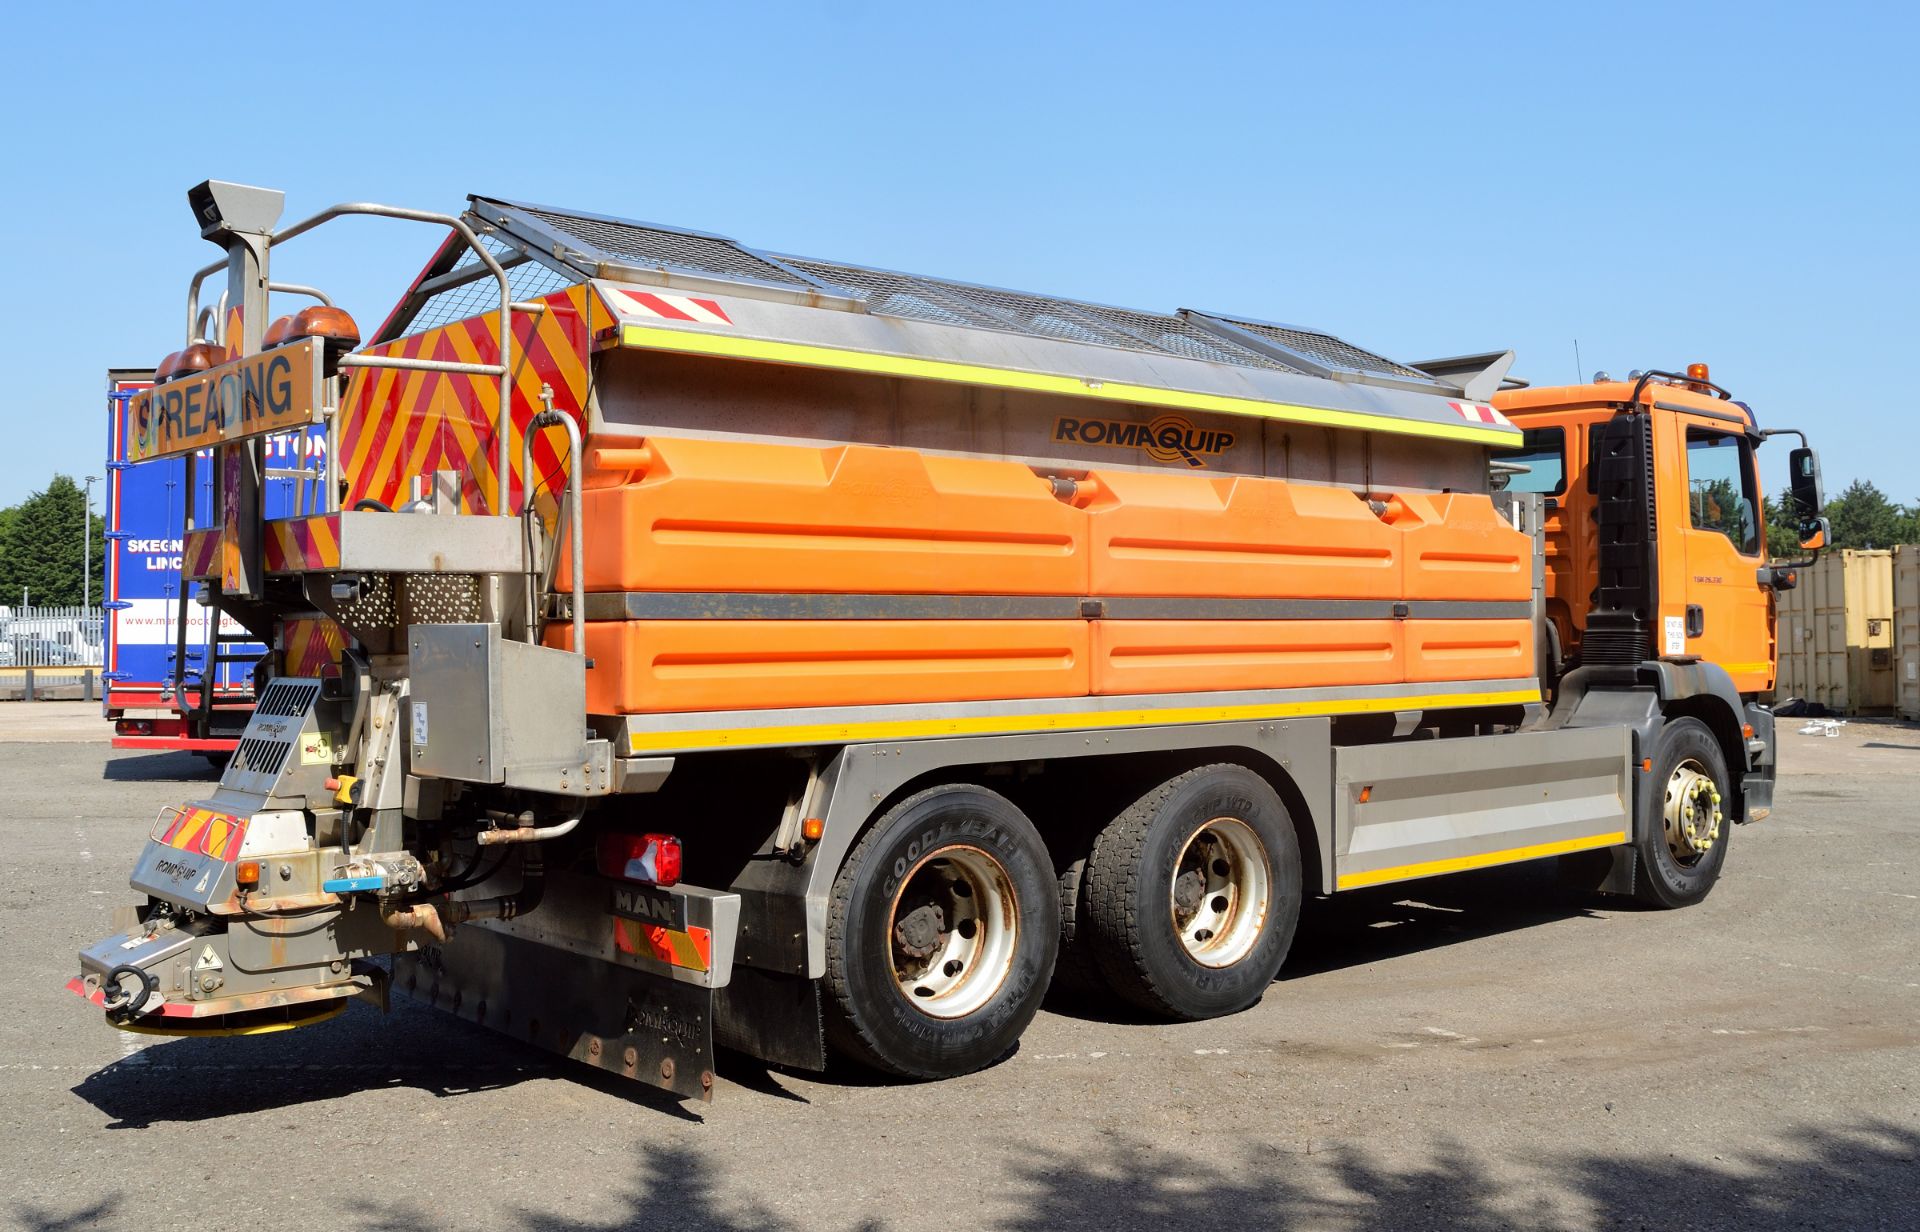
1481, 1051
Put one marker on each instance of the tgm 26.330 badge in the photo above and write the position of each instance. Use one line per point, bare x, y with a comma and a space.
1168, 438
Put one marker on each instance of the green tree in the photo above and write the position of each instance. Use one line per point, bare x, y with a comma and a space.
40, 547
1783, 529
1863, 517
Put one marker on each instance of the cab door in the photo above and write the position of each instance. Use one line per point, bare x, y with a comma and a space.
1727, 615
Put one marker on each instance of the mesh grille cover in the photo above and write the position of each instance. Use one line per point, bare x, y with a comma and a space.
952, 303
1331, 351
529, 280
652, 246
884, 293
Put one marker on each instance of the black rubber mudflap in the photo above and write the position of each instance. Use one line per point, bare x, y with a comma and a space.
645, 1027
773, 1017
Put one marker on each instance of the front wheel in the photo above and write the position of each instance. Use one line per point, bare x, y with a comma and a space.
1683, 847
942, 935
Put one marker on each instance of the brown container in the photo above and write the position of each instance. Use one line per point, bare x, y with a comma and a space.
1836, 634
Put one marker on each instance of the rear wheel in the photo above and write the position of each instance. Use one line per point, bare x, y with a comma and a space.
1193, 894
942, 935
1684, 845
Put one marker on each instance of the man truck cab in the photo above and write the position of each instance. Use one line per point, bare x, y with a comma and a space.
1616, 463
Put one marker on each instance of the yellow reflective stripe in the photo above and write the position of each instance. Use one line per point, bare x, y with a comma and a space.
689, 342
1742, 669
1459, 864
1000, 724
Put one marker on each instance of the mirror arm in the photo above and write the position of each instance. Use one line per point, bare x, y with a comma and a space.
1818, 518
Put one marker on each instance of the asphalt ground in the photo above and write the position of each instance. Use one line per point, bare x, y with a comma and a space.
1482, 1051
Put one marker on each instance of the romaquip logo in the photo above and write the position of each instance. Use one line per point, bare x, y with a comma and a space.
1169, 438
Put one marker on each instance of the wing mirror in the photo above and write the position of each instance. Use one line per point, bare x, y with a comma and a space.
1803, 466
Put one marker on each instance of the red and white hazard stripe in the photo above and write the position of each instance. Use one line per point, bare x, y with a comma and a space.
1480, 412
674, 307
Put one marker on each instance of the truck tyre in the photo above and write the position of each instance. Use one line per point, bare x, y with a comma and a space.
942, 935
1193, 894
1683, 844
1075, 971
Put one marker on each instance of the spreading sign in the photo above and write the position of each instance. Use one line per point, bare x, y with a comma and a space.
269, 392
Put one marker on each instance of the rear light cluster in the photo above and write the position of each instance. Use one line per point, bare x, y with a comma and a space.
650, 858
134, 727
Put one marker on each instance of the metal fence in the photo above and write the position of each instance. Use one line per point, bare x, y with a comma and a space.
61, 637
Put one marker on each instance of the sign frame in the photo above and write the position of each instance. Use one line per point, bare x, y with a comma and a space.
255, 395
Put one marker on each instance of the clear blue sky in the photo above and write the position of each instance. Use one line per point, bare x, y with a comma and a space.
1731, 183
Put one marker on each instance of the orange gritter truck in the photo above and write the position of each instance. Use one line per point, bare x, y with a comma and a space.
702, 646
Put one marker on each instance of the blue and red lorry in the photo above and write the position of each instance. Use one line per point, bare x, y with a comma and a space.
151, 701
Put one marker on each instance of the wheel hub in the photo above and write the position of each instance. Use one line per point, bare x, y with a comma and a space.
917, 934
953, 928
1220, 892
1188, 889
1690, 812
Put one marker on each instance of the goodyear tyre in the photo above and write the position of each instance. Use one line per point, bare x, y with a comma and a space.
1193, 894
942, 935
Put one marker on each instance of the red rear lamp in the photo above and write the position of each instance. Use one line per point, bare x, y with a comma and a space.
651, 858
135, 727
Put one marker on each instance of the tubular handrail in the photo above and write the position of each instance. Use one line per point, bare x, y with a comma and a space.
503, 432
295, 288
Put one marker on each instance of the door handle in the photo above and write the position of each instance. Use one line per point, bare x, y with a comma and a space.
1696, 620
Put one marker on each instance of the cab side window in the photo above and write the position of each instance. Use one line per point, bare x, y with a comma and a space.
1543, 451
1720, 493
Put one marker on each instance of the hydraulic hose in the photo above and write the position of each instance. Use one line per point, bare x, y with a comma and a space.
437, 917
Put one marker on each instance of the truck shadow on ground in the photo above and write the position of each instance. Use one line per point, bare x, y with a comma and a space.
171, 767
1361, 927
187, 1080
1366, 926
1866, 1176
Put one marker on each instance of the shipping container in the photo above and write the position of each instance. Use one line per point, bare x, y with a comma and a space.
1906, 629
1836, 634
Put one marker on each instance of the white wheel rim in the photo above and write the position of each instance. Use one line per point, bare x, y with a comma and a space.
1690, 812
1220, 893
952, 931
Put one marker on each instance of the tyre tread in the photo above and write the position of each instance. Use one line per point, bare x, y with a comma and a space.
846, 1031
1110, 892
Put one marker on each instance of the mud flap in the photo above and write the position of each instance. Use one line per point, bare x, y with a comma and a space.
773, 1017
646, 1027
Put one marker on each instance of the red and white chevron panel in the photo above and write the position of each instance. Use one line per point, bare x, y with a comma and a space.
672, 307
1480, 412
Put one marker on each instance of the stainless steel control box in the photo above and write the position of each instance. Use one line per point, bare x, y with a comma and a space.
483, 709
